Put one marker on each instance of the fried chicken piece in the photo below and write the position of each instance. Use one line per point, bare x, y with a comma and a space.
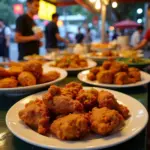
135, 75
105, 77
107, 99
35, 67
107, 53
104, 121
91, 76
48, 77
62, 104
10, 82
54, 90
17, 64
36, 116
88, 98
121, 78
124, 68
15, 70
71, 89
70, 127
115, 67
26, 79
133, 69
95, 70
106, 65
4, 73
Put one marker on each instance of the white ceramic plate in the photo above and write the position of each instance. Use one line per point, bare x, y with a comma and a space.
91, 64
18, 90
136, 122
82, 76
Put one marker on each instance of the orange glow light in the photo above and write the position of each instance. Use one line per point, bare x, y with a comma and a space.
60, 23
111, 28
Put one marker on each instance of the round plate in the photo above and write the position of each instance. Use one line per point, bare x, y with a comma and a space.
17, 90
136, 122
91, 64
82, 76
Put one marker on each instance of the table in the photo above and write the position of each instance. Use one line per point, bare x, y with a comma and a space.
10, 142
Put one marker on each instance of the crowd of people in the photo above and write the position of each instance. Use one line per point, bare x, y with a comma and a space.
29, 39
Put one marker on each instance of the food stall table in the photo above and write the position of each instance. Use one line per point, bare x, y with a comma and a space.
9, 142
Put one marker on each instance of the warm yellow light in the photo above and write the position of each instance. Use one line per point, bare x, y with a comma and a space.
60, 23
98, 4
46, 10
114, 4
92, 1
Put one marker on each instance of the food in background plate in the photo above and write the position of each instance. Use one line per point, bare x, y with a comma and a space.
71, 115
4, 73
33, 57
110, 53
15, 70
129, 53
136, 61
25, 74
112, 72
71, 61
9, 82
105, 53
47, 77
26, 79
35, 67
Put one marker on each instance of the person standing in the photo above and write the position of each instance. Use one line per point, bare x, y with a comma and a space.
52, 35
144, 42
28, 40
79, 36
5, 34
136, 36
88, 37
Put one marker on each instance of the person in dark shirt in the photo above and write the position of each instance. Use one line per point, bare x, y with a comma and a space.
28, 40
52, 35
79, 36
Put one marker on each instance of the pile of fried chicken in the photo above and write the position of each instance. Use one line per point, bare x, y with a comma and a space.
71, 112
71, 61
25, 74
113, 72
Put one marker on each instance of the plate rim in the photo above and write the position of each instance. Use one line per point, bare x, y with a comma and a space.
87, 148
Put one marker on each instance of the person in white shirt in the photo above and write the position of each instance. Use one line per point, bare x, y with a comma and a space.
137, 36
5, 34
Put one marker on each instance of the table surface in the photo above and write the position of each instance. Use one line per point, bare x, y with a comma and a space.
10, 142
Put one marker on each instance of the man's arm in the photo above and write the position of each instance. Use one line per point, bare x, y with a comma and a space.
59, 38
141, 44
7, 37
23, 39
19, 38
